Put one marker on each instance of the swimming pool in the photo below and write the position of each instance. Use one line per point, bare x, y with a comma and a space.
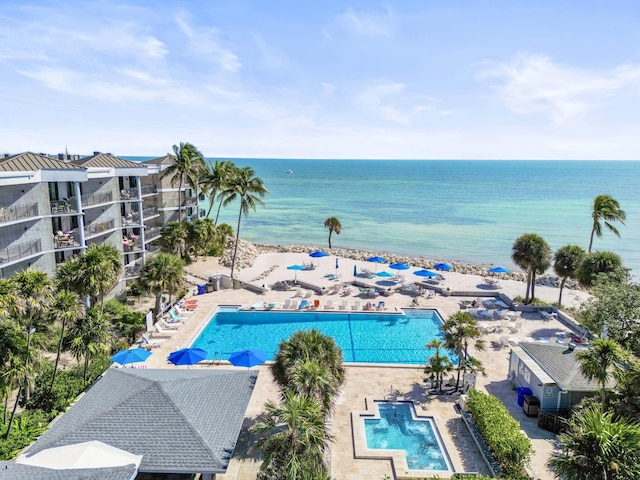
399, 428
395, 338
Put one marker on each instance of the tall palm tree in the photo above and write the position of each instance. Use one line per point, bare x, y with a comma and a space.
334, 225
34, 289
67, 276
9, 300
566, 261
213, 182
99, 268
438, 365
458, 331
598, 446
13, 346
90, 337
602, 362
311, 378
249, 189
533, 254
303, 346
162, 273
293, 439
66, 310
606, 209
174, 238
186, 160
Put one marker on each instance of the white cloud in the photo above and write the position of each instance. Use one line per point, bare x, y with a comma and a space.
204, 41
368, 23
535, 84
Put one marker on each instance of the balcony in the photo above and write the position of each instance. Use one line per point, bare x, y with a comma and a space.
65, 240
95, 228
133, 269
18, 212
96, 199
128, 195
131, 245
190, 202
150, 212
152, 233
22, 250
149, 190
64, 206
152, 249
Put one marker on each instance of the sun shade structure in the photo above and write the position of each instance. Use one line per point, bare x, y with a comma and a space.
180, 421
318, 254
132, 355
91, 454
376, 260
295, 268
384, 274
248, 358
399, 266
498, 270
425, 273
187, 356
442, 266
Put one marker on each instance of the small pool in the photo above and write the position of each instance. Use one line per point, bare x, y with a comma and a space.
395, 338
399, 428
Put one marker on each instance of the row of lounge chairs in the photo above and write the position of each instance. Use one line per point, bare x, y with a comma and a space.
169, 324
304, 304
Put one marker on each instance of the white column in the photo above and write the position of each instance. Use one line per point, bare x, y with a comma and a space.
76, 190
141, 207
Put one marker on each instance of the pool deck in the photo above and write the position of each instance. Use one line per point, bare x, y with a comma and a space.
375, 381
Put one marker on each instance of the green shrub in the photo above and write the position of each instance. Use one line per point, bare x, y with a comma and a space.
26, 427
501, 432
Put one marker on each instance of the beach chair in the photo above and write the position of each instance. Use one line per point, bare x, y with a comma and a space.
294, 305
355, 306
303, 304
162, 332
174, 317
298, 293
286, 304
179, 311
170, 326
149, 344
308, 294
380, 306
328, 305
514, 327
343, 305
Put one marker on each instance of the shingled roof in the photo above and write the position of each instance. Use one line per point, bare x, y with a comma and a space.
17, 471
106, 160
28, 161
561, 364
181, 421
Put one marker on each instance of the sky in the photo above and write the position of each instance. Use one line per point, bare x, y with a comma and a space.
411, 79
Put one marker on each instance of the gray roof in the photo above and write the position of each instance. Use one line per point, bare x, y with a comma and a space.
18, 471
106, 160
28, 161
160, 161
561, 364
179, 420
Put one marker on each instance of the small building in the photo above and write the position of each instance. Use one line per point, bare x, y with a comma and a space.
552, 372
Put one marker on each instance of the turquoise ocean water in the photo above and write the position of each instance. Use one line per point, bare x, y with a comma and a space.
470, 211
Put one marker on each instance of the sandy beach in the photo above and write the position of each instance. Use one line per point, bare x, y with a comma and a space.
366, 382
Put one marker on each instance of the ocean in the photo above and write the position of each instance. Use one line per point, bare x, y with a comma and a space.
469, 211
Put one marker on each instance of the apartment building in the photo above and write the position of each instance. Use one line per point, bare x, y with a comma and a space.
52, 208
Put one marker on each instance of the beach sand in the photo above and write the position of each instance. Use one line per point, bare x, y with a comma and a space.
365, 382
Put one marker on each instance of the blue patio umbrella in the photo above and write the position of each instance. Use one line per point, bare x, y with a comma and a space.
425, 273
498, 270
355, 270
384, 274
247, 358
132, 355
187, 356
376, 260
442, 266
318, 254
296, 268
399, 266
337, 266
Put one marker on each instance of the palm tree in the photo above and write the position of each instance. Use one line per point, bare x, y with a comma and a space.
311, 378
99, 268
66, 309
13, 346
458, 331
213, 181
598, 446
186, 160
605, 209
174, 238
602, 362
9, 300
532, 253
438, 365
303, 346
34, 290
597, 263
245, 186
333, 224
90, 337
67, 276
293, 439
201, 235
565, 264
162, 273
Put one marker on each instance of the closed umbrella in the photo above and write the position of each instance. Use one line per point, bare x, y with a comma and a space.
295, 268
187, 356
132, 355
442, 266
337, 266
247, 358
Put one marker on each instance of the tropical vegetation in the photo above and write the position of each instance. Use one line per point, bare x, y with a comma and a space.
566, 262
602, 362
458, 332
162, 273
187, 162
599, 263
605, 210
438, 365
533, 254
334, 225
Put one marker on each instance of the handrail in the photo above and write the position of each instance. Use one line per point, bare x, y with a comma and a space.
96, 198
18, 212
21, 250
94, 227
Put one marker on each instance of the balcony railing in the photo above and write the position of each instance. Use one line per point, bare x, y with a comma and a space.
190, 201
66, 240
133, 269
130, 245
16, 252
150, 212
98, 227
96, 198
66, 205
152, 232
152, 248
149, 190
18, 212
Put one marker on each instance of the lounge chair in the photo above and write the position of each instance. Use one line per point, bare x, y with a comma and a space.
179, 311
161, 332
355, 306
287, 303
343, 305
170, 326
294, 305
328, 305
303, 304
149, 344
298, 292
308, 294
174, 317
514, 327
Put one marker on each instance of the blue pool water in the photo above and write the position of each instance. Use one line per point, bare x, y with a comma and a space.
364, 337
398, 429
